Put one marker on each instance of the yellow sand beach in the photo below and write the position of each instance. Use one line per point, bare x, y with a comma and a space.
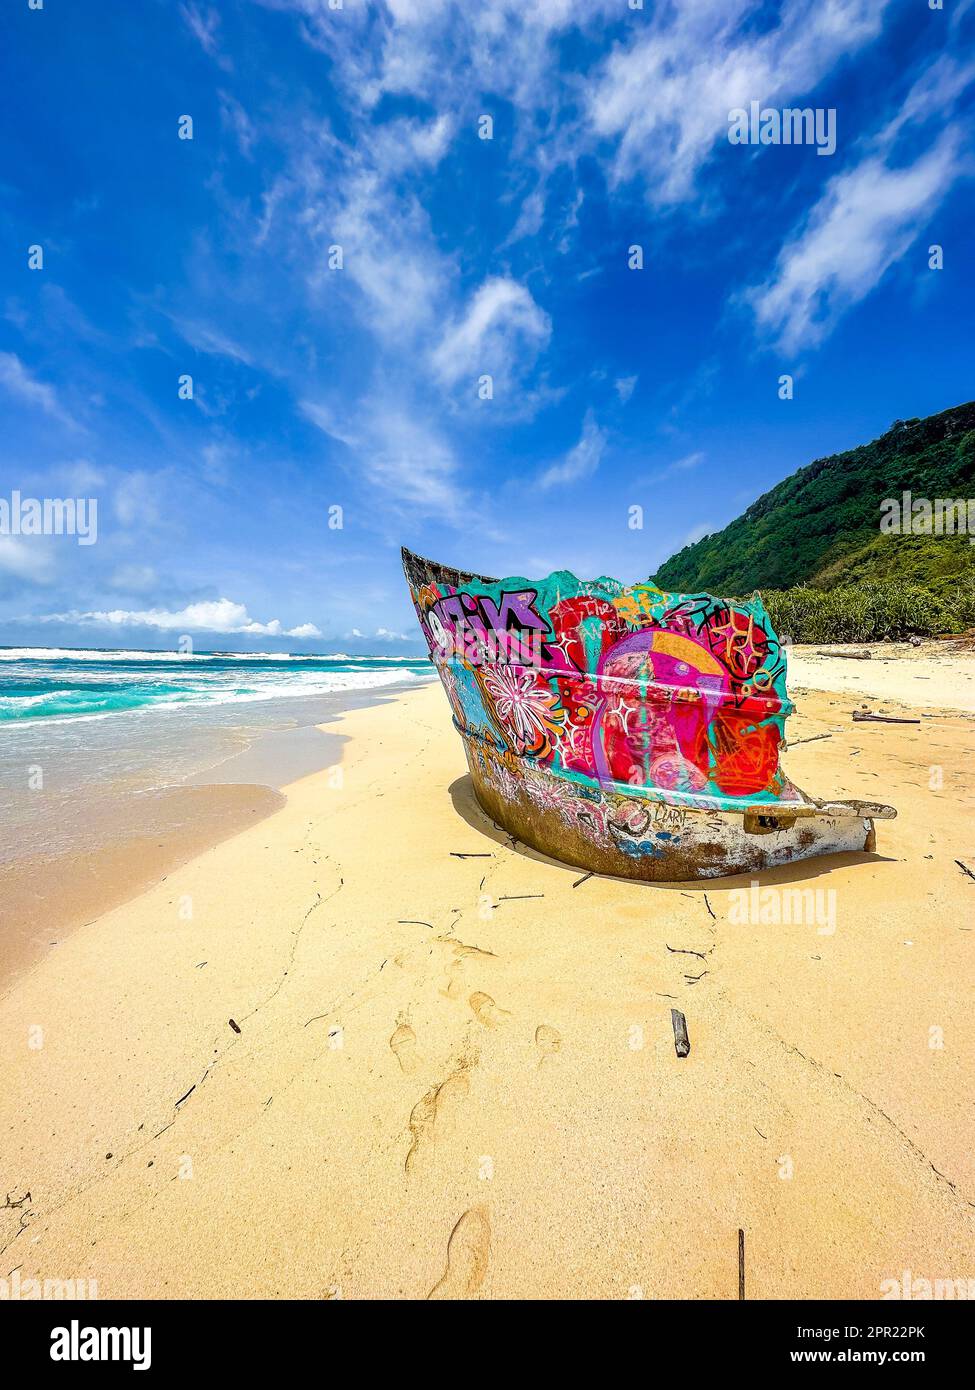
369, 1048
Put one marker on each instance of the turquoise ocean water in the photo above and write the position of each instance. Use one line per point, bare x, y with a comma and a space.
84, 733
55, 685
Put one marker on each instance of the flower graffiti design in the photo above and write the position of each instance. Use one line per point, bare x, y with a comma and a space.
525, 707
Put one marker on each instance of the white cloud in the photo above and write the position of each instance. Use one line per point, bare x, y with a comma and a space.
665, 98
210, 339
326, 420
19, 381
236, 119
217, 615
581, 460
625, 386
136, 498
442, 52
25, 559
203, 23
501, 324
389, 251
685, 464
864, 222
81, 477
405, 459
697, 533
403, 144
689, 461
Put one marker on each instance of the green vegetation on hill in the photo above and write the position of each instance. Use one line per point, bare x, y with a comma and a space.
813, 547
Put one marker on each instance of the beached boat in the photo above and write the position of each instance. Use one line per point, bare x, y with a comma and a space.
627, 730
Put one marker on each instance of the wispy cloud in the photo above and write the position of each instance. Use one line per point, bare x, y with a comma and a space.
19, 381
405, 460
714, 50
211, 338
499, 331
583, 458
236, 119
26, 560
625, 386
203, 21
866, 219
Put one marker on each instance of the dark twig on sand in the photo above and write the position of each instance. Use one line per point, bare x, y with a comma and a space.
965, 869
682, 1042
456, 854
581, 880
708, 906
861, 717
815, 739
686, 951
741, 1263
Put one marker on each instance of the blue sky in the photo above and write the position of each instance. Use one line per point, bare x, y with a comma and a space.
358, 387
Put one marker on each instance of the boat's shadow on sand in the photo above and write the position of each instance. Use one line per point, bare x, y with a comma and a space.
466, 806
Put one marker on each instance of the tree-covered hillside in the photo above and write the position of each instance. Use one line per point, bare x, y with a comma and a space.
820, 527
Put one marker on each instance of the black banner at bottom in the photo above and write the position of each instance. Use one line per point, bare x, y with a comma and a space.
170, 1338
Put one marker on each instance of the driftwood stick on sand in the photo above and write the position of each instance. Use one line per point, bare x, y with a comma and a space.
849, 656
741, 1263
682, 1042
965, 869
814, 739
862, 717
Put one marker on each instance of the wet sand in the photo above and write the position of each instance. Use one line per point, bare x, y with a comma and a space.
44, 897
124, 838
368, 1067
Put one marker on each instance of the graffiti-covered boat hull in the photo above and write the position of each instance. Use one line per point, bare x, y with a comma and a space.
625, 730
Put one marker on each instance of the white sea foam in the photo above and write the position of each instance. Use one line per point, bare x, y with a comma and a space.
79, 654
198, 696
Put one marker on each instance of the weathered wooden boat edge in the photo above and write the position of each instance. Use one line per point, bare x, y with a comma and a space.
665, 843
646, 833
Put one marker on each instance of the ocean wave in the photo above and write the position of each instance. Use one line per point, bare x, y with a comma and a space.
62, 705
94, 654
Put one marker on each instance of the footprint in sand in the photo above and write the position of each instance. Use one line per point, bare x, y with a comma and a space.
548, 1040
403, 1045
468, 1250
454, 984
433, 1109
486, 1011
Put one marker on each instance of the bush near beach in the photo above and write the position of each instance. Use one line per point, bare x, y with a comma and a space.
887, 612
